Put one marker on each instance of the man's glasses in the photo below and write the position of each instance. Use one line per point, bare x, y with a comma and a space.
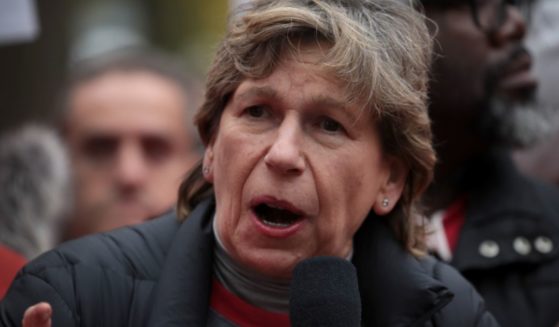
491, 15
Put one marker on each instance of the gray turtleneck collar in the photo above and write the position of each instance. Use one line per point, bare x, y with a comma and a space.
264, 292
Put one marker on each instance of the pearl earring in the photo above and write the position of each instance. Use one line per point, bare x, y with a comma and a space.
385, 202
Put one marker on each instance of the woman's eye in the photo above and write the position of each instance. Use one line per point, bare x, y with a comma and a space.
330, 125
256, 111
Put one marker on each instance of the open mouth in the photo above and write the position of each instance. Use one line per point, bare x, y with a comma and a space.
276, 215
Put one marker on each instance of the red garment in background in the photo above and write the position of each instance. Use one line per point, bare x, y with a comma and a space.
10, 263
453, 221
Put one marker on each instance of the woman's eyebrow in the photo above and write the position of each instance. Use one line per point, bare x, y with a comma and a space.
258, 91
318, 101
329, 102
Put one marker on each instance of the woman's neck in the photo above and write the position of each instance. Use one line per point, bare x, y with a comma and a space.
264, 292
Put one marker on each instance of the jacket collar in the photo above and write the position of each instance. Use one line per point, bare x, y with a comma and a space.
183, 290
395, 289
496, 186
503, 206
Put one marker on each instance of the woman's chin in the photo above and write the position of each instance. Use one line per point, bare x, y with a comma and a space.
272, 263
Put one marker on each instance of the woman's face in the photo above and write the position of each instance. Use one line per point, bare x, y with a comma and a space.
295, 168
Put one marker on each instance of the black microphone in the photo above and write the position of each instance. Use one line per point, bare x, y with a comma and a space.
325, 292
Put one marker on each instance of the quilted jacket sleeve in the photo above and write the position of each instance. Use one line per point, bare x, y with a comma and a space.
36, 284
99, 280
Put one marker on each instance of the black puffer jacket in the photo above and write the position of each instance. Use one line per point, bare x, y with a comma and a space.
159, 274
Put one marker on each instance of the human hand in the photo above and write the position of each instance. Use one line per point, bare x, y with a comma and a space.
38, 315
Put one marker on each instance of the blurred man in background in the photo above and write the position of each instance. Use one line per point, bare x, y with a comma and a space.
127, 124
542, 160
499, 228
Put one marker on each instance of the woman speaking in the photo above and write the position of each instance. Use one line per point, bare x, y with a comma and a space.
318, 146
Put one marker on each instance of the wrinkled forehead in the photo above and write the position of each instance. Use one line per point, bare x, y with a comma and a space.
312, 57
311, 50
314, 52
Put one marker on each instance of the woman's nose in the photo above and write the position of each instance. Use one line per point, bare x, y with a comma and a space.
285, 155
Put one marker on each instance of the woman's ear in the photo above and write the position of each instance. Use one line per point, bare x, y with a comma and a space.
392, 187
207, 164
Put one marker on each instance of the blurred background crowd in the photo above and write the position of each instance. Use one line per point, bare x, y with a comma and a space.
96, 102
39, 40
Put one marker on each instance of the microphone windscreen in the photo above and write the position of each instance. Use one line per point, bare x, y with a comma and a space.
325, 292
